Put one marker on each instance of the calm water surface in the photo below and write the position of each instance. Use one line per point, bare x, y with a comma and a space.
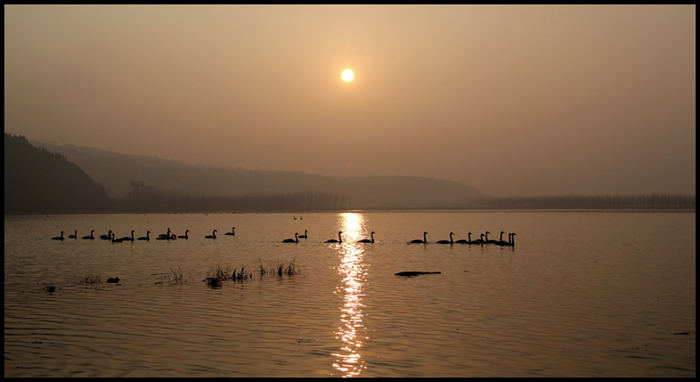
582, 294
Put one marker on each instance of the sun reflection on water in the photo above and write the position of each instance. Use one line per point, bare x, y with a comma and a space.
353, 272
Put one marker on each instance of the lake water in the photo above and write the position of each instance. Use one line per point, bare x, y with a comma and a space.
582, 294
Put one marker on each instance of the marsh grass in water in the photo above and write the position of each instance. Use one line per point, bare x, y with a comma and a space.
279, 269
217, 275
175, 276
89, 281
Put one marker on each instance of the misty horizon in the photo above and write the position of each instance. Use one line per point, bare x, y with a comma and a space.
510, 100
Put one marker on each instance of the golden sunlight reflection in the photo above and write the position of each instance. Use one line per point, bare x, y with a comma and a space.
353, 272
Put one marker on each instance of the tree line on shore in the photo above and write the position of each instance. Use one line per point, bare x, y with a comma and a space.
624, 202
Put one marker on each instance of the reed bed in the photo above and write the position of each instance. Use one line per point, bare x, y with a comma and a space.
279, 268
175, 276
89, 281
218, 274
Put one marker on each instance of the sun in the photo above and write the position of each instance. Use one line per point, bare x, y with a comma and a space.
348, 75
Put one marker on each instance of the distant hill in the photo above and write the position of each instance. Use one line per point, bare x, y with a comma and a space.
38, 182
115, 172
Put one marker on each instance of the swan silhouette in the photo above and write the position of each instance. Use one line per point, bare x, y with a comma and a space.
58, 237
115, 240
147, 237
340, 239
511, 240
295, 240
508, 243
212, 236
462, 241
501, 242
232, 233
304, 236
446, 241
74, 236
91, 237
185, 235
424, 241
128, 238
165, 236
477, 241
487, 241
108, 236
368, 240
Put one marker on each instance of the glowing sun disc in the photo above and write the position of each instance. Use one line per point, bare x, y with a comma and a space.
347, 75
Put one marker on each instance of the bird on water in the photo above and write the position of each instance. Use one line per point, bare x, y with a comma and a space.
295, 240
446, 241
340, 239
424, 241
368, 240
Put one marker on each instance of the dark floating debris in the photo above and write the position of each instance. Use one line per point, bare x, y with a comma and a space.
415, 273
113, 280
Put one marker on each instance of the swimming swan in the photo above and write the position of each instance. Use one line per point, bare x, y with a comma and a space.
91, 237
147, 237
212, 236
424, 241
477, 241
340, 239
127, 238
491, 241
185, 235
502, 242
304, 236
368, 240
295, 240
463, 241
447, 241
58, 237
232, 233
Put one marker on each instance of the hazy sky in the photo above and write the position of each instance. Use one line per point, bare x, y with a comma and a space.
513, 100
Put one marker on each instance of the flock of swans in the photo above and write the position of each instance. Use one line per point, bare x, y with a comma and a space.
163, 236
484, 238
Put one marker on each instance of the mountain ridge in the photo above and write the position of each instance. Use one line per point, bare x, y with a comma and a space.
115, 171
40, 181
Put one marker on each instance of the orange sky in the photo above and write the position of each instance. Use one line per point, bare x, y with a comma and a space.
513, 100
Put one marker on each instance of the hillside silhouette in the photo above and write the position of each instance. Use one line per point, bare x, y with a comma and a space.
38, 181
164, 177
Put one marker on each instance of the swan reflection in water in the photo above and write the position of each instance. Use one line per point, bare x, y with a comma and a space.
353, 272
